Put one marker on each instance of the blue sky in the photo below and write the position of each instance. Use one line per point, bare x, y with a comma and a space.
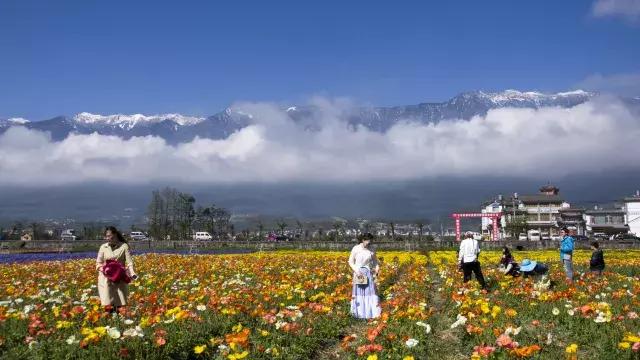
196, 57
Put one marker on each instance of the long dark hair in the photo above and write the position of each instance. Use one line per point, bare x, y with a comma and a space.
506, 256
365, 236
116, 233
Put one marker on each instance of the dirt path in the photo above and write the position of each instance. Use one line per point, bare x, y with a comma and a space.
444, 340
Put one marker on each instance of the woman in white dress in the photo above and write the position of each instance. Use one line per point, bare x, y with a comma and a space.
114, 295
365, 303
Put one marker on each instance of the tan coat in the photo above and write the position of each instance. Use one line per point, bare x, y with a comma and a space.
113, 293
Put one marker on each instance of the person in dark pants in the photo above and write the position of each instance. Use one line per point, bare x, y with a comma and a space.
531, 268
596, 265
468, 259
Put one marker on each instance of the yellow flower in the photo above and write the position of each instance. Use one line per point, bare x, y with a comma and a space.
236, 356
408, 357
264, 333
630, 337
63, 324
199, 349
624, 345
237, 328
572, 349
372, 357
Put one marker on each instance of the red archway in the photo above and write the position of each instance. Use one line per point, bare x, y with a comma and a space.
494, 218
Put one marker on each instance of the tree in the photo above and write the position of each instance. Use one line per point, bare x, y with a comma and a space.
282, 225
420, 226
392, 226
299, 229
35, 229
260, 230
155, 216
516, 226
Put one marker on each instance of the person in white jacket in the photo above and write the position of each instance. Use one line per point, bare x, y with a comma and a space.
468, 259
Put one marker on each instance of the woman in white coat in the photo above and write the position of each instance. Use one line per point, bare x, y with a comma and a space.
114, 295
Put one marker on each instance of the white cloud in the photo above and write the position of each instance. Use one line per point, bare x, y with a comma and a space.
599, 135
627, 9
625, 84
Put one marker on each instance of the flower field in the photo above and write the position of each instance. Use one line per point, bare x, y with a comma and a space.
295, 305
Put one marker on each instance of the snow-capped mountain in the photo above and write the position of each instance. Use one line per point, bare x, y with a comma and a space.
13, 121
176, 128
130, 121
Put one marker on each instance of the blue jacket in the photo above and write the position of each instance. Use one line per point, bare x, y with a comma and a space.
566, 245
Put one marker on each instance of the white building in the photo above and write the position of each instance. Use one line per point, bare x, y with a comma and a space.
632, 213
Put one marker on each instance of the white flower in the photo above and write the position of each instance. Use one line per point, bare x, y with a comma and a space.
223, 347
460, 321
5, 302
114, 333
18, 301
137, 331
570, 312
201, 307
411, 343
549, 338
32, 344
128, 322
280, 324
426, 327
555, 311
27, 309
597, 296
72, 340
513, 331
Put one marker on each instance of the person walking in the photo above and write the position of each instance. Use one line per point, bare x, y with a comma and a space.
365, 303
115, 270
566, 254
596, 264
468, 259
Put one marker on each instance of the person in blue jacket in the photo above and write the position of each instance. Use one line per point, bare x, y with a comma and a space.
566, 253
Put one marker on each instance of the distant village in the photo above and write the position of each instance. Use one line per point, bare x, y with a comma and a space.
526, 217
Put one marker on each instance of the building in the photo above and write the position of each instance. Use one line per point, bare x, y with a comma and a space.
631, 209
609, 221
574, 219
543, 211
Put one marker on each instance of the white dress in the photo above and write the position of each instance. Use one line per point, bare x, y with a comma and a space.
365, 303
113, 293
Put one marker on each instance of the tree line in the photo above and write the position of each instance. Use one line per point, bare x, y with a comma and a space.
174, 215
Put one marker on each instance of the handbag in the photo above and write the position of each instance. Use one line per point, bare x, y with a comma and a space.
360, 279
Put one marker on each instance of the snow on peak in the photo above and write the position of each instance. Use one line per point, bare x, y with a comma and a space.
510, 95
292, 108
18, 121
129, 121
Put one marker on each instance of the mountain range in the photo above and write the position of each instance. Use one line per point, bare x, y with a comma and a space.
176, 128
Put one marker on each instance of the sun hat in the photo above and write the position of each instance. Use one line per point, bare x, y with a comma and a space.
527, 265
